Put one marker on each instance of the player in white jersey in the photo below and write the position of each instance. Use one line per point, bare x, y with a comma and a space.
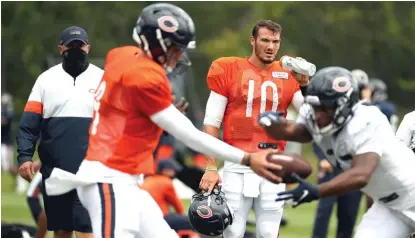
406, 130
358, 139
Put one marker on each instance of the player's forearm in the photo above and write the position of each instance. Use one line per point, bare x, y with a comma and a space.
296, 132
298, 100
288, 130
210, 162
215, 111
213, 131
171, 120
349, 180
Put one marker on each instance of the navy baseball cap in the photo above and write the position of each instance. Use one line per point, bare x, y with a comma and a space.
73, 33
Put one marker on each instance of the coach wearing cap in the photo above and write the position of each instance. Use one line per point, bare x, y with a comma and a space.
58, 113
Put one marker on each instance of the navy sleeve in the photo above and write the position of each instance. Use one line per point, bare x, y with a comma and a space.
27, 136
318, 152
393, 110
387, 108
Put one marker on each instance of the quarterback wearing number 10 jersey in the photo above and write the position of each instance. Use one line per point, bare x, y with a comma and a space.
239, 93
249, 92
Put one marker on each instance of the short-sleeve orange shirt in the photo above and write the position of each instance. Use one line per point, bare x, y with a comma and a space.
133, 88
250, 91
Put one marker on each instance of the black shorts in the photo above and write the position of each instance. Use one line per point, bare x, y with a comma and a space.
65, 212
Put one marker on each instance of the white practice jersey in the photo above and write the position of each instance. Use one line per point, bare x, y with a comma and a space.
369, 131
406, 130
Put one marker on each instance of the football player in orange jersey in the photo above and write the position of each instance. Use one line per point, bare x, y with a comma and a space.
241, 89
133, 105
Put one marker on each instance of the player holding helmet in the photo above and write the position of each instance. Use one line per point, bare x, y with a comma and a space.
133, 105
241, 88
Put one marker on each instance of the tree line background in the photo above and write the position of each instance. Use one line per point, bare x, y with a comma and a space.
378, 37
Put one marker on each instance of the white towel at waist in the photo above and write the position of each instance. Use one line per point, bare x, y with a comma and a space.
90, 172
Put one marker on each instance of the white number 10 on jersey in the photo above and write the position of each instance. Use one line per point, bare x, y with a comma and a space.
264, 86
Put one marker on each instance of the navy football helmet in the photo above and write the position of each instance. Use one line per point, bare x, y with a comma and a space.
164, 25
379, 90
361, 78
332, 88
210, 214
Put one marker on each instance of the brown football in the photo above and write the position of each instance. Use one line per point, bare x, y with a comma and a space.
290, 163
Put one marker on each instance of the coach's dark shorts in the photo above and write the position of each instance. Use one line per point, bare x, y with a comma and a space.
65, 212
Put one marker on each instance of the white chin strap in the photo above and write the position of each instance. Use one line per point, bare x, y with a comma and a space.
168, 69
327, 130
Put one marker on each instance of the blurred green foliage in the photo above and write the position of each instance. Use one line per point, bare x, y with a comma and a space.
377, 37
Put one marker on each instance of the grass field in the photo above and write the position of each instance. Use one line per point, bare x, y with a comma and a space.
14, 209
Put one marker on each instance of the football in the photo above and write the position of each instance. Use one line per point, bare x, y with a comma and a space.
290, 163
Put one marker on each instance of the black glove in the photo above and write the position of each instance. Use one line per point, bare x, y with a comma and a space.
305, 192
266, 119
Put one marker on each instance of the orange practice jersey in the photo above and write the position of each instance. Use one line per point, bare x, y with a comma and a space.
161, 188
250, 91
133, 87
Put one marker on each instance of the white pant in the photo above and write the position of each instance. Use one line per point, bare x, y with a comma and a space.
7, 157
123, 211
383, 222
268, 213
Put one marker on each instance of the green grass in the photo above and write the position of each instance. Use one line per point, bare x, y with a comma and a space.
14, 208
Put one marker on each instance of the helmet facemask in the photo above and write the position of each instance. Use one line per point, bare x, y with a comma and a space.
343, 112
165, 51
176, 55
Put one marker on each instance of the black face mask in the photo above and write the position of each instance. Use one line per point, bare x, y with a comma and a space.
75, 61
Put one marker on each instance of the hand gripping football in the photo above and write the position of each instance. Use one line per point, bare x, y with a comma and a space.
291, 163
